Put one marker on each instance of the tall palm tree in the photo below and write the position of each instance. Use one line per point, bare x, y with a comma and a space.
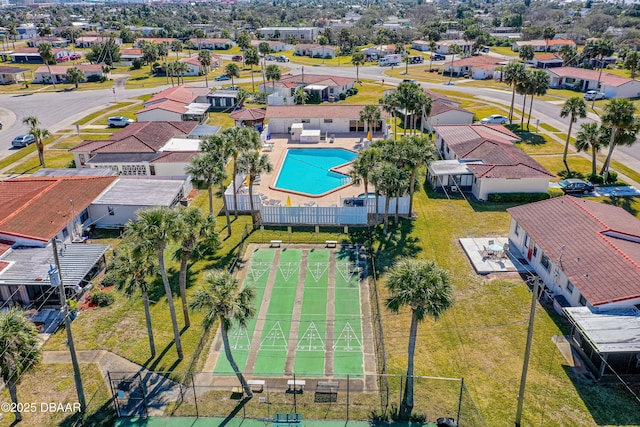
619, 116
406, 94
524, 87
432, 49
418, 150
454, 49
273, 74
426, 289
539, 87
177, 47
232, 70
154, 228
390, 103
180, 68
38, 134
322, 41
46, 53
422, 109
197, 236
204, 57
575, 108
390, 181
237, 141
357, 59
131, 268
220, 300
513, 73
252, 58
589, 138
632, 62
362, 166
526, 53
253, 164
75, 75
548, 33
264, 50
369, 114
20, 350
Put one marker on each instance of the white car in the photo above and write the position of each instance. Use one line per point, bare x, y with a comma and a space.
494, 119
594, 95
119, 122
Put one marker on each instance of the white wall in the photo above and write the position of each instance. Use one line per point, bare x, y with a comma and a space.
281, 125
451, 117
159, 115
171, 169
627, 90
484, 186
121, 214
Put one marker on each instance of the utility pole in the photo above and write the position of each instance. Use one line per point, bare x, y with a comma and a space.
527, 351
55, 276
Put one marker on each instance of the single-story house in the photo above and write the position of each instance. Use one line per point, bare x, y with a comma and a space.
58, 73
445, 111
156, 40
30, 55
274, 45
128, 55
213, 44
505, 33
373, 53
542, 45
581, 79
53, 41
10, 75
26, 31
328, 119
546, 60
195, 68
249, 117
421, 45
179, 103
444, 45
161, 163
477, 67
482, 159
223, 100
87, 42
283, 33
281, 92
315, 51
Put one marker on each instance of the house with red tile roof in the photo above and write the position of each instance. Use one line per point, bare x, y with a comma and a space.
483, 159
585, 251
581, 79
542, 45
87, 42
52, 40
476, 67
195, 67
128, 55
58, 73
281, 92
249, 117
546, 60
178, 103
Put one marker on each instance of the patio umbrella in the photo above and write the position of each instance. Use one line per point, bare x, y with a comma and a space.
288, 201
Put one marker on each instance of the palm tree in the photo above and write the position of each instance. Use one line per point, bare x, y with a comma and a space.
390, 181
589, 138
548, 33
221, 301
180, 68
417, 151
204, 57
425, 288
38, 134
407, 94
526, 53
251, 58
619, 116
575, 108
300, 96
177, 47
322, 41
46, 53
253, 164
131, 268
237, 141
20, 350
390, 103
454, 49
525, 87
632, 62
264, 49
513, 73
153, 229
232, 70
539, 85
432, 49
197, 236
369, 114
598, 49
362, 166
273, 74
357, 59
75, 76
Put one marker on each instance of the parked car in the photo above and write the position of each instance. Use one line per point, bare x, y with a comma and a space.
494, 119
22, 141
282, 58
119, 122
76, 56
594, 95
222, 77
438, 57
484, 49
270, 58
62, 59
237, 58
411, 81
574, 185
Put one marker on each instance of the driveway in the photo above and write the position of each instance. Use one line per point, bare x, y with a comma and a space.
615, 191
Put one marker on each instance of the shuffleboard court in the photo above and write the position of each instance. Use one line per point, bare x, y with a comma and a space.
348, 344
272, 354
240, 338
310, 349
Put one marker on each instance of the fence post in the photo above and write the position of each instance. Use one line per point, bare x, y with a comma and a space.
460, 401
195, 398
348, 381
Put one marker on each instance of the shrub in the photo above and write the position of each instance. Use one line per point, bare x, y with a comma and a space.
102, 299
94, 78
555, 192
343, 96
108, 280
571, 174
517, 197
612, 177
136, 64
595, 178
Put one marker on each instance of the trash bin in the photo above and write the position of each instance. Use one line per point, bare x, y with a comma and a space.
446, 422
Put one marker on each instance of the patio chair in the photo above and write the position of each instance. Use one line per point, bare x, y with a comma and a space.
310, 203
491, 242
276, 202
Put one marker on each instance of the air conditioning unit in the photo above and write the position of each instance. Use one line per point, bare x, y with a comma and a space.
454, 189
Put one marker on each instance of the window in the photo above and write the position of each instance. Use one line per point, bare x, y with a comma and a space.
81, 158
65, 233
110, 210
517, 230
152, 169
570, 287
582, 300
328, 120
84, 215
535, 252
545, 261
305, 121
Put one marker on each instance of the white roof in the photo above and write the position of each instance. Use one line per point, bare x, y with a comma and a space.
182, 144
614, 331
316, 87
197, 108
310, 132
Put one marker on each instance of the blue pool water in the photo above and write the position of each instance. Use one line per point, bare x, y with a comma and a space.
307, 170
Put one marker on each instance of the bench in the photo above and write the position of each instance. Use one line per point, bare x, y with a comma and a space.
256, 385
275, 243
287, 420
331, 243
237, 390
296, 386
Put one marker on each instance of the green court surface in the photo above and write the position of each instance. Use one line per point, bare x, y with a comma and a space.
272, 353
233, 422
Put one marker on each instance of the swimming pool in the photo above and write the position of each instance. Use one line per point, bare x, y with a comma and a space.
308, 170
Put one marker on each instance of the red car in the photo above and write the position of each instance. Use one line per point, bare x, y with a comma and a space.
76, 56
62, 58
237, 58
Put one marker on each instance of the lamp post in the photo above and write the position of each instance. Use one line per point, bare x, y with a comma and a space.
55, 276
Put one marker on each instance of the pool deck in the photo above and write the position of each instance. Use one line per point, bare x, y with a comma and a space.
282, 142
